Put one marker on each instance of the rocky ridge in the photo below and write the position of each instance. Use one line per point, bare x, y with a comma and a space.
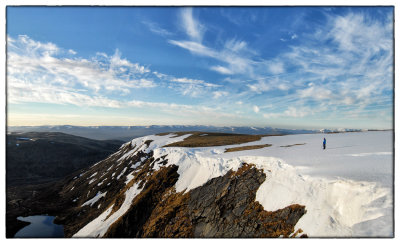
133, 193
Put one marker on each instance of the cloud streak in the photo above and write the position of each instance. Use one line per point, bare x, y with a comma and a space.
192, 27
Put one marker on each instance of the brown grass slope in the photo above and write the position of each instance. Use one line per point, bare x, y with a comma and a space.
201, 139
243, 148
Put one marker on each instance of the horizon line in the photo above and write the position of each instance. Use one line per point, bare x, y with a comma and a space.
327, 128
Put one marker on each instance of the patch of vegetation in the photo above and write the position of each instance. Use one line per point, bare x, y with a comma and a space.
235, 149
298, 144
201, 139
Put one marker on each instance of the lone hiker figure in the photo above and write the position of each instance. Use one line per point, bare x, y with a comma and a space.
324, 144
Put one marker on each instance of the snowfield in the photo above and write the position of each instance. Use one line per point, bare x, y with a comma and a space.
347, 188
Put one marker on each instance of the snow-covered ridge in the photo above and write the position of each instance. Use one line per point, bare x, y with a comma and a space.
344, 188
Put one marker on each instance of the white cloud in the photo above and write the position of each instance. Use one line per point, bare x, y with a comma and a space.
190, 87
22, 92
237, 64
256, 109
192, 27
348, 62
234, 54
290, 112
259, 87
271, 115
19, 92
71, 52
42, 73
222, 70
186, 80
195, 48
356, 33
266, 84
297, 112
153, 27
218, 94
276, 67
318, 93
283, 87
236, 46
193, 81
39, 64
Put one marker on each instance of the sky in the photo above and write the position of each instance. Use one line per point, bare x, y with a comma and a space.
285, 67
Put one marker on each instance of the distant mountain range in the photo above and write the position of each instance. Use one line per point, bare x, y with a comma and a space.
126, 133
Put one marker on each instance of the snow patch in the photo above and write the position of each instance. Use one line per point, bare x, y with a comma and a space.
94, 199
101, 183
122, 172
129, 178
136, 165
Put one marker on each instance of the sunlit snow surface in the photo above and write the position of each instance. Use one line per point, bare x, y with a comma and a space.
347, 188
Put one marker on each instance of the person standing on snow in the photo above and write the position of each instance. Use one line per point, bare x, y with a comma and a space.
324, 143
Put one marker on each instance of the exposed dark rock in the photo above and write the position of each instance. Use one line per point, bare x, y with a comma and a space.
131, 224
223, 207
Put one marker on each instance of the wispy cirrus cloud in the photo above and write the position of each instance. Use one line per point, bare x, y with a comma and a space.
193, 81
221, 69
218, 94
232, 55
348, 62
155, 28
38, 65
192, 27
47, 64
233, 62
291, 112
39, 73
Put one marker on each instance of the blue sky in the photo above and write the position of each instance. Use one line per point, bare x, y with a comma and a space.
287, 67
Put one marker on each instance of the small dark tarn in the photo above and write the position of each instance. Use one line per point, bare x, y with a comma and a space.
41, 226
